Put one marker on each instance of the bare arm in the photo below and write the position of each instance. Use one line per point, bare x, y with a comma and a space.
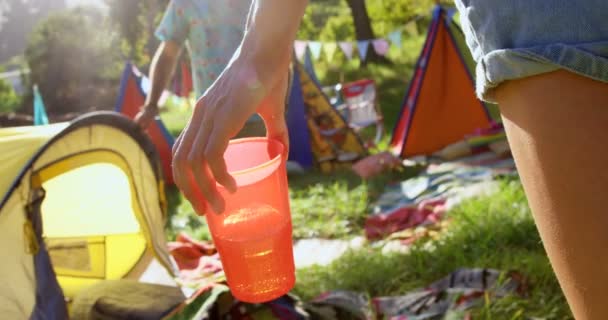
271, 29
161, 71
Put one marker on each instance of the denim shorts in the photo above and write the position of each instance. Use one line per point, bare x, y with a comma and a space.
513, 39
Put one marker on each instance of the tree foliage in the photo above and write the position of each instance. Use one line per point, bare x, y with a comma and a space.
344, 20
17, 19
332, 20
135, 22
9, 100
72, 62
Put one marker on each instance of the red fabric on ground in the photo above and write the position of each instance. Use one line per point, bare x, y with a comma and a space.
380, 225
198, 262
187, 251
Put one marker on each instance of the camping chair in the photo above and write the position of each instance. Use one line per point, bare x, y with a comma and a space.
334, 94
361, 107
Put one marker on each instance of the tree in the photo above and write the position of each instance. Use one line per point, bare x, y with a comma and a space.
127, 19
135, 22
75, 66
363, 28
9, 100
18, 18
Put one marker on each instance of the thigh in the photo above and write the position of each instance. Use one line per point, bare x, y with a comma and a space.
557, 125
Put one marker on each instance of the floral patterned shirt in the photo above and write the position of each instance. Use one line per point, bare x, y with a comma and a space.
212, 31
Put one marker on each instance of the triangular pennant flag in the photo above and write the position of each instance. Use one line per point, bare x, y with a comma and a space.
330, 49
380, 46
315, 49
300, 48
363, 45
395, 38
412, 28
347, 49
40, 117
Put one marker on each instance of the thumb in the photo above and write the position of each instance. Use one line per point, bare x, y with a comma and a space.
276, 128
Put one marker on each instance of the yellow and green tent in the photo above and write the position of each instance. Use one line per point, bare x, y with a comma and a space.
80, 202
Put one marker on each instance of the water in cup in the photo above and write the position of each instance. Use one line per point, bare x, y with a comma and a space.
254, 240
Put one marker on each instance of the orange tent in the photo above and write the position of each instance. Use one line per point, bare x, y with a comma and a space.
440, 106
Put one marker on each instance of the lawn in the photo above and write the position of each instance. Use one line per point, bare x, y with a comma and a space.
489, 232
494, 232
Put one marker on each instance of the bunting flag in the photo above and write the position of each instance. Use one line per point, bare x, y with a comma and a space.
40, 117
315, 49
300, 48
347, 49
330, 49
395, 38
363, 45
412, 28
380, 46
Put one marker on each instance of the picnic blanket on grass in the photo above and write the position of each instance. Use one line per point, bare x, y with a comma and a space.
422, 200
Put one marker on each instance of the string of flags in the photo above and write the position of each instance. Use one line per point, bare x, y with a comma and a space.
380, 45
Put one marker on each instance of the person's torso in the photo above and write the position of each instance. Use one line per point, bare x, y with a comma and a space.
215, 32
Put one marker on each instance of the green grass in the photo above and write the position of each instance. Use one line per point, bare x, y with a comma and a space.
490, 232
322, 205
175, 116
182, 217
334, 206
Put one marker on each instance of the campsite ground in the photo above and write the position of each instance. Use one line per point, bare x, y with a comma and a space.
488, 232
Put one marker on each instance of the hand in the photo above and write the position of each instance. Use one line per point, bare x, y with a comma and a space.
198, 153
146, 116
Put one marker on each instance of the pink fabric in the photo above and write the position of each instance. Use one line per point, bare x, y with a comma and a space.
375, 164
198, 261
427, 212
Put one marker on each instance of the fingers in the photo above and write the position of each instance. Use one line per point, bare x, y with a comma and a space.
199, 158
198, 162
144, 118
276, 127
272, 111
144, 122
214, 153
181, 171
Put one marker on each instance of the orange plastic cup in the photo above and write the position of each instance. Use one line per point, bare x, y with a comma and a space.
254, 234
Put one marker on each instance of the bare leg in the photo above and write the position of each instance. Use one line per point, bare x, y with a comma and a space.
557, 125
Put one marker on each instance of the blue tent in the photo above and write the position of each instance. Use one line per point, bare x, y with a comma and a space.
299, 136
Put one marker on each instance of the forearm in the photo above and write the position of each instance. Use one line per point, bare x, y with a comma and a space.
271, 29
161, 71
